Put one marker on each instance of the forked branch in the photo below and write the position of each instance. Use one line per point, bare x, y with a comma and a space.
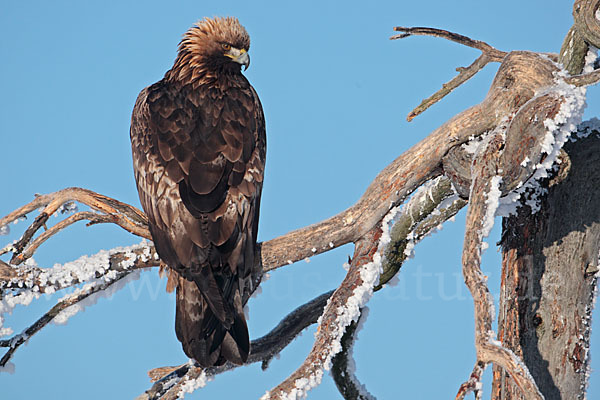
491, 52
107, 210
465, 73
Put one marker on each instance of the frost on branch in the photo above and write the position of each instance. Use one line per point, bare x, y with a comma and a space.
527, 115
507, 167
344, 367
103, 274
342, 309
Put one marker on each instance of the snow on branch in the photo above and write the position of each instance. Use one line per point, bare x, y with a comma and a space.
168, 380
30, 277
99, 273
343, 367
545, 123
432, 204
485, 192
426, 211
342, 309
527, 85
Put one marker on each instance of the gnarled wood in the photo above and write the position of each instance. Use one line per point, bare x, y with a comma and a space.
548, 277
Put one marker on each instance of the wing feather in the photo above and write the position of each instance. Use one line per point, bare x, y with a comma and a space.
199, 161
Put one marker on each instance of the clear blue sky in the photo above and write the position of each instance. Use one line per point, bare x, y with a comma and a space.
335, 92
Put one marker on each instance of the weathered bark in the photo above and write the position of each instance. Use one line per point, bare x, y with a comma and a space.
548, 278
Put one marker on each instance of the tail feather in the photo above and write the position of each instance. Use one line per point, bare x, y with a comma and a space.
236, 343
203, 336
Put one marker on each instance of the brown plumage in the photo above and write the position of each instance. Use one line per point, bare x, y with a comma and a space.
198, 142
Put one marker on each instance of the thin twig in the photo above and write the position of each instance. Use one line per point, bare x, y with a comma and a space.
122, 214
23, 254
493, 53
464, 75
489, 54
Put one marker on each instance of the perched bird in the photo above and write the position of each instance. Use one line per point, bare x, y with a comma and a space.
198, 143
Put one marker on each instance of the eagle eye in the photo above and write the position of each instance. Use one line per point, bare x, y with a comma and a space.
226, 46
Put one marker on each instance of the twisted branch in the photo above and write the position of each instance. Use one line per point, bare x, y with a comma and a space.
584, 16
416, 221
485, 168
342, 369
585, 31
109, 210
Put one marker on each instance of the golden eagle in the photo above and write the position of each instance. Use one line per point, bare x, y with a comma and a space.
198, 143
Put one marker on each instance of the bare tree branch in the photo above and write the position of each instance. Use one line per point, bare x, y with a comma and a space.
111, 210
494, 54
521, 76
584, 79
465, 73
420, 208
584, 15
16, 341
262, 350
336, 317
486, 167
342, 368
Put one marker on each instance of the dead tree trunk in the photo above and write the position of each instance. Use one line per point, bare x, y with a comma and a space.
549, 266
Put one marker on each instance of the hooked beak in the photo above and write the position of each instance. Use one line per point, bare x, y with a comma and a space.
239, 56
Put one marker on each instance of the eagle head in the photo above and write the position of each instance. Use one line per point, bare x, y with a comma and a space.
212, 48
